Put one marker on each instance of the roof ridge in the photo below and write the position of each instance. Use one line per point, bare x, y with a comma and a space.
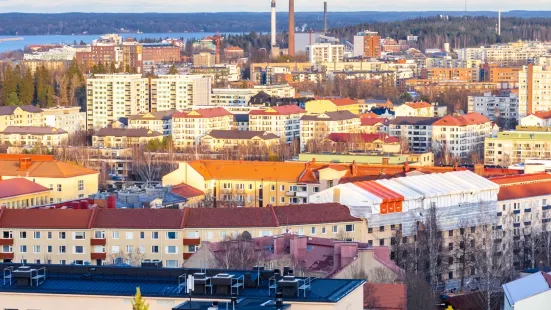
92, 217
183, 221
275, 216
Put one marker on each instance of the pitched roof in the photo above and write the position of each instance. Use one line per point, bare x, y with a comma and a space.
241, 135
330, 116
385, 296
526, 287
18, 187
370, 121
418, 105
313, 214
463, 120
229, 217
362, 137
159, 115
343, 101
542, 114
32, 130
203, 113
41, 166
8, 110
279, 110
524, 190
248, 170
139, 218
523, 178
45, 218
403, 120
186, 191
127, 132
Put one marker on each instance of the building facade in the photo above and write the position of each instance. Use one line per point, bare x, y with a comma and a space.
317, 127
69, 119
121, 138
188, 127
534, 90
283, 121
179, 92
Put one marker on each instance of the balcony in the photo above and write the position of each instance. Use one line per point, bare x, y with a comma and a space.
187, 255
193, 241
548, 207
527, 223
527, 210
6, 255
98, 242
98, 255
516, 224
516, 211
6, 241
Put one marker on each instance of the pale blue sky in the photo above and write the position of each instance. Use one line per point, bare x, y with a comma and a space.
44, 6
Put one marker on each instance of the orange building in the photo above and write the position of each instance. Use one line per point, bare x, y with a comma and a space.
506, 78
367, 44
450, 74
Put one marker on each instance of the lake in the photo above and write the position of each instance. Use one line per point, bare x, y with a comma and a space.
70, 39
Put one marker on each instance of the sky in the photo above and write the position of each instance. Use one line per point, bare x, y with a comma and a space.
184, 6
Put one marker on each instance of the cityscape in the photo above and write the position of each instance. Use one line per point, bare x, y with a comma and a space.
283, 159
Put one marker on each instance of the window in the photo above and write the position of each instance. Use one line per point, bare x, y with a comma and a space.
62, 249
349, 228
451, 233
192, 248
141, 249
99, 235
79, 235
78, 249
193, 234
473, 229
80, 185
381, 242
155, 249
282, 199
154, 235
142, 235
450, 260
313, 230
129, 249
282, 188
171, 249
36, 235
62, 235
450, 275
115, 249
59, 187
50, 249
115, 235
381, 228
301, 231
335, 229
23, 248
22, 235
272, 187
392, 227
129, 235
62, 262
272, 199
210, 235
323, 230
36, 249
222, 235
171, 263
171, 235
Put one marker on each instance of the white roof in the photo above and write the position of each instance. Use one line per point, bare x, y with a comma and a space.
526, 287
408, 193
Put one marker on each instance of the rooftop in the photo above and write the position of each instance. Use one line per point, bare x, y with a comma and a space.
161, 115
522, 135
527, 287
418, 105
186, 191
362, 137
279, 110
343, 101
19, 187
203, 113
370, 121
242, 135
385, 296
402, 120
462, 120
330, 116
9, 110
32, 130
39, 166
127, 132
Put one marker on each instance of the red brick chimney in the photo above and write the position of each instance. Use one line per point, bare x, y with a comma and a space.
279, 245
298, 247
354, 169
25, 163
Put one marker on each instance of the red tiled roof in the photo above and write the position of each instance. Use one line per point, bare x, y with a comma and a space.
279, 110
41, 166
343, 101
203, 113
139, 218
524, 190
385, 296
418, 105
186, 191
463, 120
313, 214
543, 114
45, 218
370, 121
361, 137
19, 187
229, 217
523, 178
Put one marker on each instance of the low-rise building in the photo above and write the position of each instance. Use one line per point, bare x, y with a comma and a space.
120, 138
332, 105
26, 115
218, 140
154, 121
283, 121
527, 293
33, 136
22, 193
512, 147
316, 127
538, 119
189, 127
414, 109
373, 124
70, 119
363, 142
451, 74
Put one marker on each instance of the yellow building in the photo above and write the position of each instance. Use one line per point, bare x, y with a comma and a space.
26, 115
218, 140
414, 109
124, 137
66, 181
33, 136
22, 193
156, 121
189, 126
332, 105
513, 147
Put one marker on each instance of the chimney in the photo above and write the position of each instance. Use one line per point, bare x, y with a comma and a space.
348, 253
336, 195
274, 29
291, 28
325, 17
25, 163
499, 22
279, 245
479, 169
406, 166
354, 169
386, 161
298, 247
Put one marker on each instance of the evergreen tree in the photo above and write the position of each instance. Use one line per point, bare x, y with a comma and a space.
42, 80
13, 100
9, 86
50, 96
173, 70
25, 88
139, 303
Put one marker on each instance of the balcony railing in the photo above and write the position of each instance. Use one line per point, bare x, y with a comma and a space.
6, 241
192, 241
98, 255
6, 255
98, 241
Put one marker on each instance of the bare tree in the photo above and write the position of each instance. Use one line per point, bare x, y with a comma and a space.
239, 252
464, 251
133, 258
381, 275
419, 294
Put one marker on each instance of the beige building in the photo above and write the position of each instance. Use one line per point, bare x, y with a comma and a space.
318, 126
218, 140
188, 127
66, 181
204, 59
155, 121
179, 92
513, 147
33, 136
27, 115
325, 52
283, 121
121, 138
112, 96
22, 193
69, 119
415, 109
534, 91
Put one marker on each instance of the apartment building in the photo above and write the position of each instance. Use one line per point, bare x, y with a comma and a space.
278, 90
121, 138
22, 193
160, 53
189, 127
218, 140
179, 92
33, 136
325, 52
70, 119
496, 107
451, 74
415, 131
461, 136
316, 127
26, 115
513, 147
112, 96
506, 77
283, 121
505, 55
132, 58
534, 89
219, 75
538, 119
66, 181
414, 109
227, 97
367, 44
332, 105
204, 59
155, 121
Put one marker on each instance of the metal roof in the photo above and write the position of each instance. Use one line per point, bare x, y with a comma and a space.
526, 287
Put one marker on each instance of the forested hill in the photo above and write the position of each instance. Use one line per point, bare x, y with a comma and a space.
458, 31
99, 23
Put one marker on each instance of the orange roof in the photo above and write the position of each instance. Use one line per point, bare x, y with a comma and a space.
463, 120
369, 115
203, 113
186, 191
343, 101
418, 105
385, 296
543, 114
279, 110
518, 191
373, 121
19, 187
40, 167
233, 48
248, 170
521, 179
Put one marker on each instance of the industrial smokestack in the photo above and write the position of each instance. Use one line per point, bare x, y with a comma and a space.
274, 30
291, 28
325, 17
499, 22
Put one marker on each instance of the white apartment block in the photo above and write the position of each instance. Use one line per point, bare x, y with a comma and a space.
415, 131
280, 90
514, 147
325, 52
505, 55
58, 53
534, 89
188, 127
69, 119
155, 121
414, 109
494, 107
112, 96
283, 121
318, 126
225, 97
461, 135
179, 92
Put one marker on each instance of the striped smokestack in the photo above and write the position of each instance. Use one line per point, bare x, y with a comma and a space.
291, 28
